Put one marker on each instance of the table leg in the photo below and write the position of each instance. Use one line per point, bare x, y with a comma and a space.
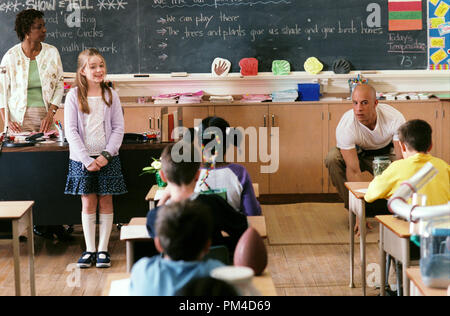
30, 243
16, 254
362, 243
351, 224
405, 265
130, 254
382, 263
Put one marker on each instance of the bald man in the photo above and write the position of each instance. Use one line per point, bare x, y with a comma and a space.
366, 131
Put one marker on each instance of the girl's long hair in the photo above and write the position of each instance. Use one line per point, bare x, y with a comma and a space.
82, 84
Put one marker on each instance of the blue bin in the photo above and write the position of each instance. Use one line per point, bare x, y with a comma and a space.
309, 91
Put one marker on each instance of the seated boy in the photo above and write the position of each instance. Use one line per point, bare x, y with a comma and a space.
181, 178
415, 143
183, 238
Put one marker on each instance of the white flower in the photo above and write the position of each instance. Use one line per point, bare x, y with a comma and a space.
156, 165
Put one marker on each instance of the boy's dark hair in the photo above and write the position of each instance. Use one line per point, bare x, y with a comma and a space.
183, 229
207, 286
213, 126
416, 134
24, 21
183, 172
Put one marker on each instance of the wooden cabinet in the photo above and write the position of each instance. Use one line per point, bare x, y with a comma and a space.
300, 148
427, 111
245, 116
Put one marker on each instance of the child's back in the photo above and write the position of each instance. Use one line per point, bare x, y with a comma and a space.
231, 177
183, 236
415, 142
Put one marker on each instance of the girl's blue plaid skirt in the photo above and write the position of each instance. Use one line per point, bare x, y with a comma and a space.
108, 181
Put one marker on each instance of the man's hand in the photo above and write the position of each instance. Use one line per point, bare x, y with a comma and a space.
352, 170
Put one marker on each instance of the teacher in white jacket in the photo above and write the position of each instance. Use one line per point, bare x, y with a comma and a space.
34, 77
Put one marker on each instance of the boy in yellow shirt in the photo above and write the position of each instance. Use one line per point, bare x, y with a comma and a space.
415, 142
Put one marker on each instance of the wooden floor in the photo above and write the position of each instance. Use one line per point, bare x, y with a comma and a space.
306, 270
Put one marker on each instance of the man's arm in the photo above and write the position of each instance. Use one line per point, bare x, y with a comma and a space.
352, 170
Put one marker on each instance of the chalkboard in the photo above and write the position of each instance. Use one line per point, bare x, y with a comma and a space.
163, 36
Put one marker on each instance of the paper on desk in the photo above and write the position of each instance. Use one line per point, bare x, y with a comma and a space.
158, 194
361, 191
120, 287
134, 232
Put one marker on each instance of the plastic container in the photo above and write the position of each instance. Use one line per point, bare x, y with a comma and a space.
380, 163
309, 91
435, 252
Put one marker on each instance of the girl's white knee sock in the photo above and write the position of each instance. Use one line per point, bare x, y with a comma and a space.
88, 223
106, 221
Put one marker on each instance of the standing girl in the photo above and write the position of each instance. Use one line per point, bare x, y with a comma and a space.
94, 128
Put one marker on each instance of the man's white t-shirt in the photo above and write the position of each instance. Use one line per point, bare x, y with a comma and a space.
351, 132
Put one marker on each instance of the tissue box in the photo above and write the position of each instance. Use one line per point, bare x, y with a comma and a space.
309, 91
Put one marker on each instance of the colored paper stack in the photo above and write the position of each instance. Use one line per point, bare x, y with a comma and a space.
255, 98
285, 96
190, 98
405, 15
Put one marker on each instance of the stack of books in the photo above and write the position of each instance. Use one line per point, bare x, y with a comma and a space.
221, 98
190, 98
285, 96
171, 98
255, 98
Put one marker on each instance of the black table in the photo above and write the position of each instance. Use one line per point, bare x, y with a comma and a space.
39, 173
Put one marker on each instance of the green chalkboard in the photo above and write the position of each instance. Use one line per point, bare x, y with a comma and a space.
162, 36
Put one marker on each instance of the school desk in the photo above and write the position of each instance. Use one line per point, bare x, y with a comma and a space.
263, 283
418, 288
136, 231
357, 207
21, 215
394, 240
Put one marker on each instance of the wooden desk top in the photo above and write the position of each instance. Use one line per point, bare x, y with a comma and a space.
263, 283
398, 226
14, 209
415, 276
257, 222
354, 186
152, 192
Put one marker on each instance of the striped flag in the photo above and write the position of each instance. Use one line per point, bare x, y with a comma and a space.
405, 15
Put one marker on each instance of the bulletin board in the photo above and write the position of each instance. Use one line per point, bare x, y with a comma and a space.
439, 34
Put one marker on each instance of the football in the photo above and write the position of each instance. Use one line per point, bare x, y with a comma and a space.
251, 252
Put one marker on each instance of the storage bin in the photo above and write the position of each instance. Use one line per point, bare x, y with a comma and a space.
309, 91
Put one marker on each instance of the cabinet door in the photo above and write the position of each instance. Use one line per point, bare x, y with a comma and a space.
137, 119
300, 148
427, 111
248, 116
192, 113
445, 131
335, 112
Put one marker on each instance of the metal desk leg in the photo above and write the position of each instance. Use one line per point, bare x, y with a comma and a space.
130, 254
30, 243
362, 244
351, 224
405, 265
382, 263
16, 254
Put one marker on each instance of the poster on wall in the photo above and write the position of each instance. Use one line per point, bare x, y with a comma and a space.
439, 34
